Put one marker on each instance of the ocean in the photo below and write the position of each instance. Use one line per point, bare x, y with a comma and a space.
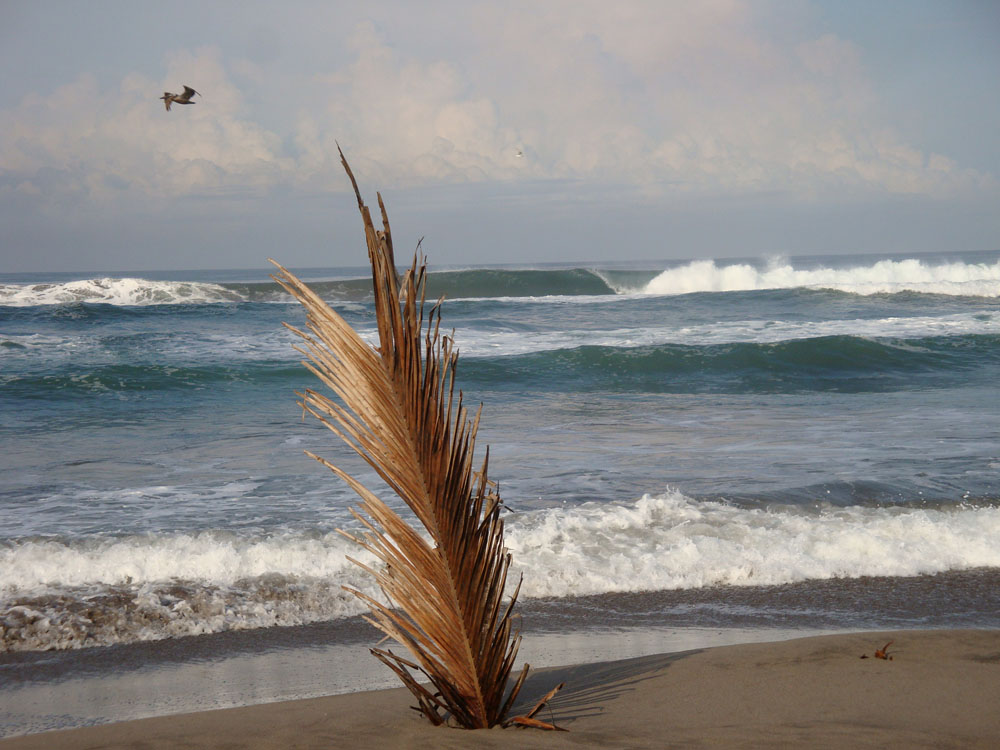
744, 445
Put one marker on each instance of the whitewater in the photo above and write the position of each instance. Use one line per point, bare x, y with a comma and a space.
146, 588
881, 277
749, 440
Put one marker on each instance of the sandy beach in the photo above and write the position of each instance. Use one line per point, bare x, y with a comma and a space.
940, 689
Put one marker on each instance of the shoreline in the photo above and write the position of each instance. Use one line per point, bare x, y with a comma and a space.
941, 689
184, 675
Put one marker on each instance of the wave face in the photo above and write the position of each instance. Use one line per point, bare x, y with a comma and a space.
480, 283
515, 283
70, 594
839, 363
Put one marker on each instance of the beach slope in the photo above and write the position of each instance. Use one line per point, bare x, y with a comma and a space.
941, 689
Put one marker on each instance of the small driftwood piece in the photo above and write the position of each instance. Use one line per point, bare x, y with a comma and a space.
882, 653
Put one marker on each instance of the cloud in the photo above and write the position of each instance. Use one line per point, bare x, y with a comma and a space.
667, 97
403, 121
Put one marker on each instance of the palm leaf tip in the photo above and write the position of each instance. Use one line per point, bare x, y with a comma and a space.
395, 406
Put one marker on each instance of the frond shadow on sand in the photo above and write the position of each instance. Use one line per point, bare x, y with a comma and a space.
589, 687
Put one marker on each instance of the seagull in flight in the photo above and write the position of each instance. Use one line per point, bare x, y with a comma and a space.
184, 98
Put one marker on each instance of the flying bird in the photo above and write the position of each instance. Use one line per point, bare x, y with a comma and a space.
184, 98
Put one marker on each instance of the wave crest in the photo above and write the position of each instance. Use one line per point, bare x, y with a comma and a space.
882, 277
116, 291
670, 541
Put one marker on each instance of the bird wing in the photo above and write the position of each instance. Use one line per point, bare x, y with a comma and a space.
167, 100
189, 92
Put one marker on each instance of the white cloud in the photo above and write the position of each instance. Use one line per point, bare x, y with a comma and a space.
403, 121
690, 96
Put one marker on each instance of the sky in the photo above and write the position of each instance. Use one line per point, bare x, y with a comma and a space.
499, 132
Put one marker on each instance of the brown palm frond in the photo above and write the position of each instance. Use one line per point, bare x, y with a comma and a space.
396, 407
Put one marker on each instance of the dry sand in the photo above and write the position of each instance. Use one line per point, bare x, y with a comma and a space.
940, 690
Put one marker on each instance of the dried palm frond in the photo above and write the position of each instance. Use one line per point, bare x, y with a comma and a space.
397, 409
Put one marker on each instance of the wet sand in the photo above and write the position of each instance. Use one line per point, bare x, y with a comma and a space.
941, 689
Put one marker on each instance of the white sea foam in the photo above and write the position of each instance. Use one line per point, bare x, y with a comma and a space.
669, 541
882, 277
68, 595
658, 542
115, 291
64, 594
215, 558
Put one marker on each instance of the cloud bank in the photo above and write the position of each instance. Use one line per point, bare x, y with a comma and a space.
689, 97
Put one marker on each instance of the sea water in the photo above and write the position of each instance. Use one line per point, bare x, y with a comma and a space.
758, 443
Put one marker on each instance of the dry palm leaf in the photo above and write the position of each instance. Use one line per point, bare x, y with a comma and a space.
397, 409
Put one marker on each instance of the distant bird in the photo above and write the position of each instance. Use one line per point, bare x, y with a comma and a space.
519, 154
184, 98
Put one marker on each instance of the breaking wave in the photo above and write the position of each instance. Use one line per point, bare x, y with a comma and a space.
882, 277
61, 593
111, 291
